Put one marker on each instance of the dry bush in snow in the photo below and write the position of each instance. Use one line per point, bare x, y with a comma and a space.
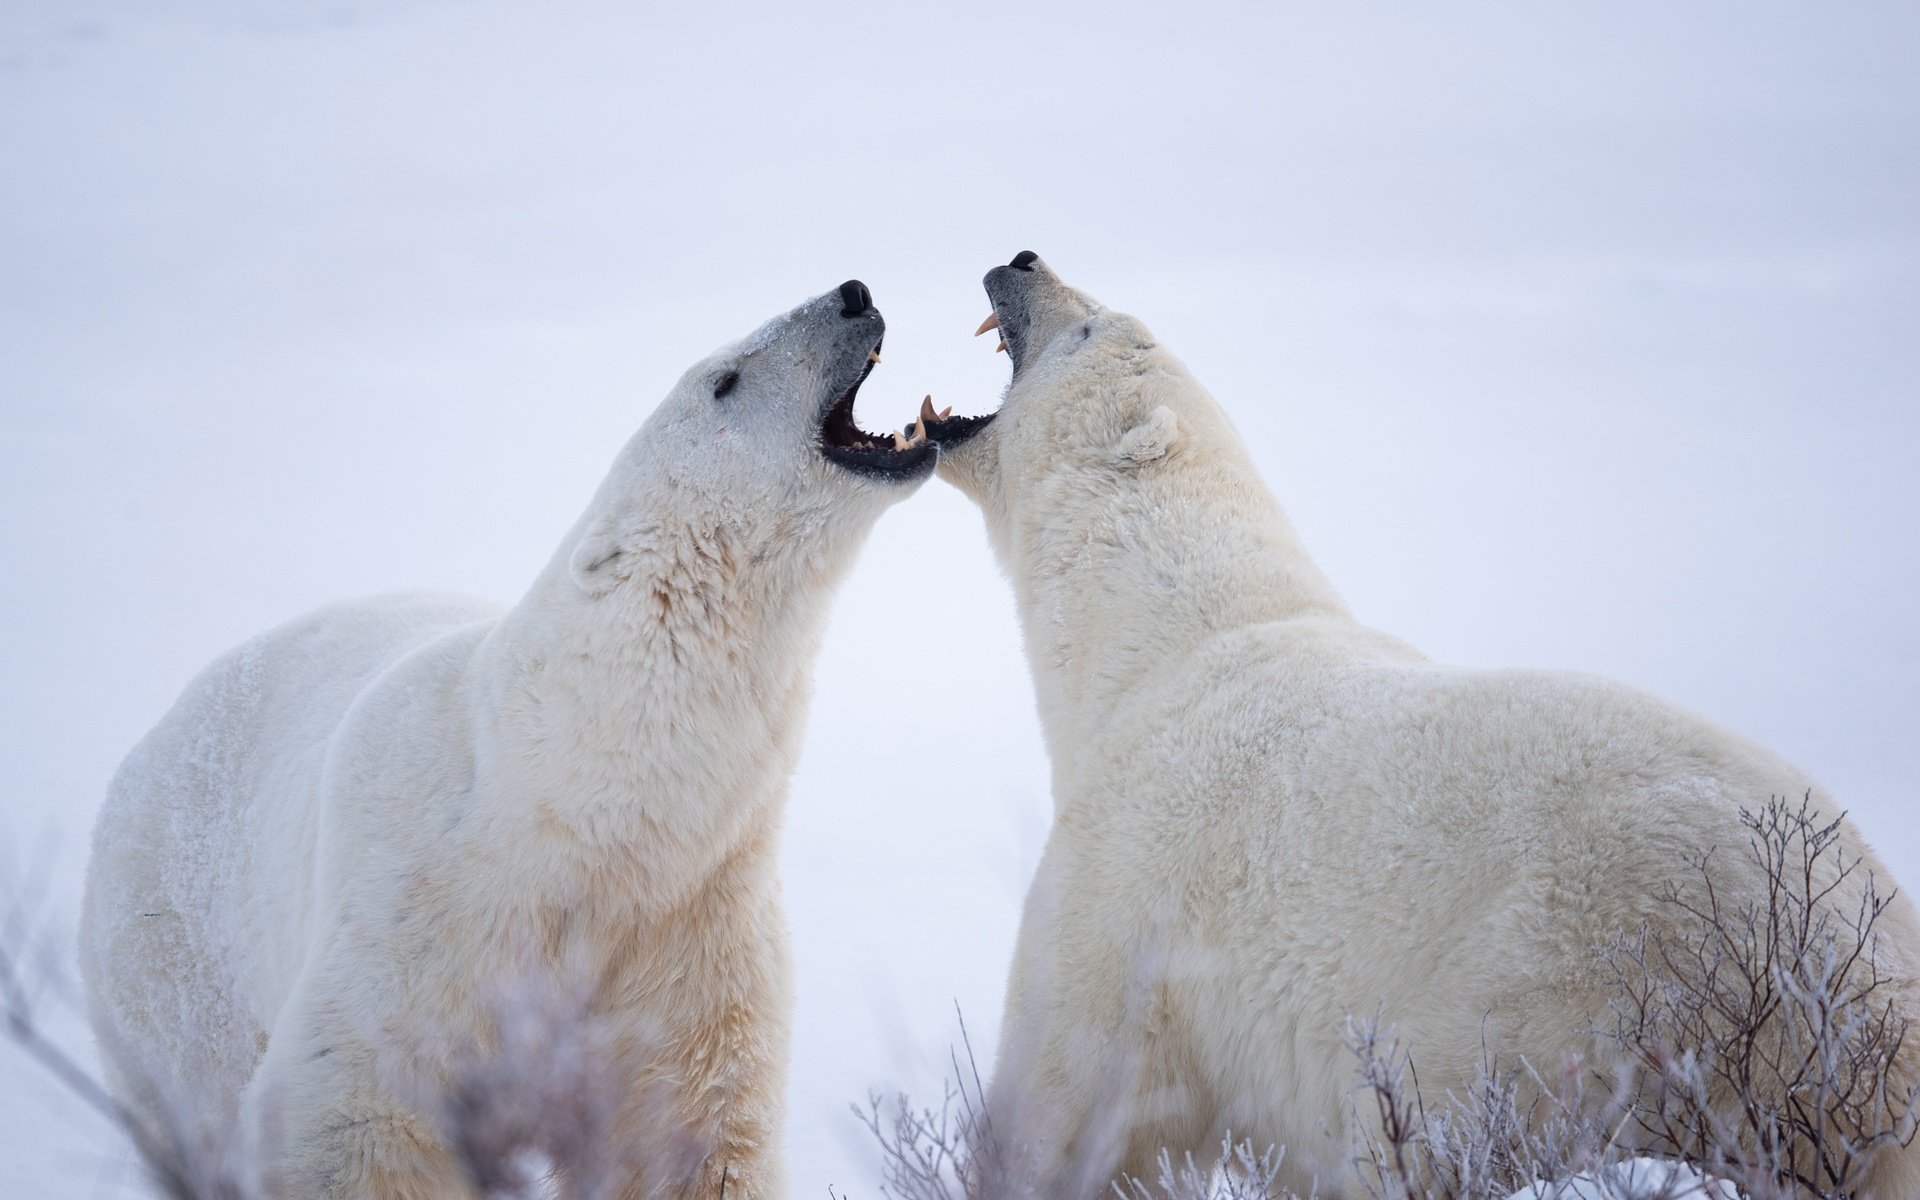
1514, 1134
953, 1152
936, 1153
1764, 1040
1237, 1174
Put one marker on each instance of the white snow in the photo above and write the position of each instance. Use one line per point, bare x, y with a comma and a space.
1574, 337
1635, 1179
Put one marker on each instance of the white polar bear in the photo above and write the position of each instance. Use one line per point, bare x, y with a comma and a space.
1268, 816
308, 879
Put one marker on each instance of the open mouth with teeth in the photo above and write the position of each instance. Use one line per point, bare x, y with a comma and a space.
888, 455
942, 428
946, 430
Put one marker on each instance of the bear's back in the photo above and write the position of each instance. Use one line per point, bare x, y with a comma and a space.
221, 794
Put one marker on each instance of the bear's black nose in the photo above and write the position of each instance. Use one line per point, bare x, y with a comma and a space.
1024, 260
855, 296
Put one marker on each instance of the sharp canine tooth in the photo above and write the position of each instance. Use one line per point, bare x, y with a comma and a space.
1001, 347
873, 356
927, 415
899, 443
946, 412
992, 322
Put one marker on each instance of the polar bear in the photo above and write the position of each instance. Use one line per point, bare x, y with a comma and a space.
1268, 817
309, 878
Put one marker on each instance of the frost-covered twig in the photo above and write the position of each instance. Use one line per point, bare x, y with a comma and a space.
937, 1153
1237, 1174
535, 1099
1764, 1034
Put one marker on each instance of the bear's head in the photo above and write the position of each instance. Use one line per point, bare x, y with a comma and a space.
755, 456
1093, 404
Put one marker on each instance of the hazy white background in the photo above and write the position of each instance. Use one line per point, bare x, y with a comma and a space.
1579, 335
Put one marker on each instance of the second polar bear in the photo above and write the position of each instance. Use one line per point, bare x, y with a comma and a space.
310, 882
1268, 816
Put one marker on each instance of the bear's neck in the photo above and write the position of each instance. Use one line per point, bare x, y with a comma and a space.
1121, 575
661, 721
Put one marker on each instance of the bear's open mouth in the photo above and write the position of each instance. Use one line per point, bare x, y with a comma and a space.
889, 455
1006, 292
943, 428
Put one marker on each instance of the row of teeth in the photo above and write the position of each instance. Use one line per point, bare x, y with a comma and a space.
916, 434
917, 431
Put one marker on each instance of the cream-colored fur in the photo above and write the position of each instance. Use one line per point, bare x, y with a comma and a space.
313, 881
1268, 816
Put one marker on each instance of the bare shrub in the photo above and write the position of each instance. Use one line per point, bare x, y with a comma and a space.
940, 1153
1755, 1041
1237, 1174
1486, 1143
1765, 1035
1513, 1134
953, 1152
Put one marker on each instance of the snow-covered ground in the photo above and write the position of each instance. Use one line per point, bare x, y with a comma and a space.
1635, 1179
1570, 336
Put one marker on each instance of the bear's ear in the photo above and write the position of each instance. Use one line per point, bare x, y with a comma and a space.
1148, 440
597, 561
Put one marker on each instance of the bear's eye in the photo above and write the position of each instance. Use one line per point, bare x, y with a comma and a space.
725, 384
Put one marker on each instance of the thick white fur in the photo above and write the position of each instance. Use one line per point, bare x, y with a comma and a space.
1268, 816
309, 881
